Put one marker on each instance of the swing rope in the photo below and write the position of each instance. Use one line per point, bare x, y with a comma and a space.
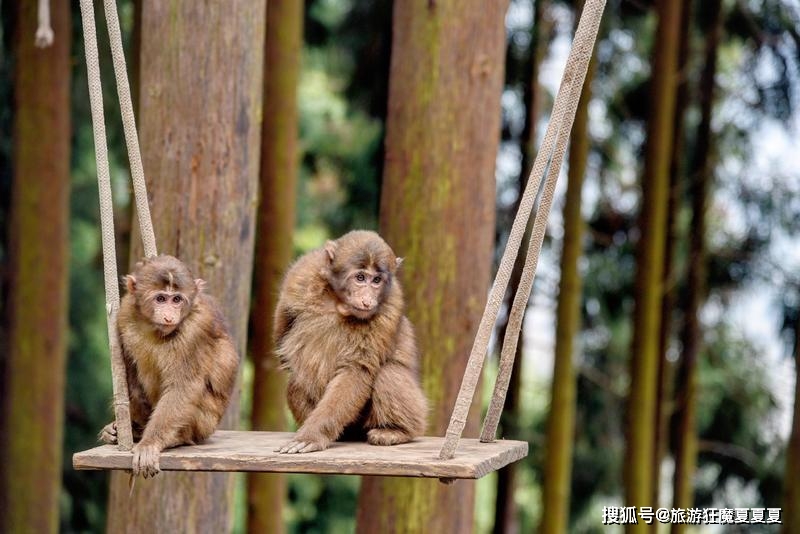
44, 31
129, 126
111, 279
548, 159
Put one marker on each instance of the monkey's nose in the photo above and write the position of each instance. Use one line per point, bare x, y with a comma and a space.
168, 320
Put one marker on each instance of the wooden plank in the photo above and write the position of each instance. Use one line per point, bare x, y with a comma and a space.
229, 450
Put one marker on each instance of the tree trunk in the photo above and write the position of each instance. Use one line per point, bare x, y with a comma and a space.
38, 265
437, 210
791, 480
506, 520
275, 227
201, 97
561, 418
701, 177
650, 262
666, 371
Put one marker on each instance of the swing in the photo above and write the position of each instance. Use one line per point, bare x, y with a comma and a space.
433, 457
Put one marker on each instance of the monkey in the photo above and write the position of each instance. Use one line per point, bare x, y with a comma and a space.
180, 361
350, 351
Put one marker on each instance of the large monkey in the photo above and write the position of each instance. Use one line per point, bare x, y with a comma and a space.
350, 352
180, 361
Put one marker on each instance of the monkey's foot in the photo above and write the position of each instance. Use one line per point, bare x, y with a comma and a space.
387, 436
301, 445
109, 434
145, 460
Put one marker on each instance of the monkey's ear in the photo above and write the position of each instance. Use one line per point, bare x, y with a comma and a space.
330, 249
130, 282
398, 262
200, 285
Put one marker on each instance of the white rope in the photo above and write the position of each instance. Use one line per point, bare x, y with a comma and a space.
129, 125
551, 152
119, 383
44, 33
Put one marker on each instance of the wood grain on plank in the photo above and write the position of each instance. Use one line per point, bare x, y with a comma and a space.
230, 450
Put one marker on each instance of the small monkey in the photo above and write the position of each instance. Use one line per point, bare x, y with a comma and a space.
180, 361
350, 352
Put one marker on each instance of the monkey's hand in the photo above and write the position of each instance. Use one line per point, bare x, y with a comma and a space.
109, 434
305, 441
145, 460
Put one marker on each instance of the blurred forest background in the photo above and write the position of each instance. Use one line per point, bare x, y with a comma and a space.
658, 358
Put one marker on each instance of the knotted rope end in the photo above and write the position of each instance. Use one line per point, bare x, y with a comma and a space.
44, 37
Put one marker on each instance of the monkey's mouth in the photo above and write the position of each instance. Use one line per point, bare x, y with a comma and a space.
359, 312
165, 329
362, 313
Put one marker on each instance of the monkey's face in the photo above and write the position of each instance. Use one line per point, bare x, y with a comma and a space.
164, 291
360, 269
166, 309
362, 292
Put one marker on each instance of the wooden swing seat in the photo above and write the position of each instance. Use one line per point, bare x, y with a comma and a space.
231, 450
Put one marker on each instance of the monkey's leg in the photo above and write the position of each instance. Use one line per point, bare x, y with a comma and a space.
341, 404
399, 407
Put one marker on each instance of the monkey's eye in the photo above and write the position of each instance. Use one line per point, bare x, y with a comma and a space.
376, 280
177, 299
161, 299
361, 277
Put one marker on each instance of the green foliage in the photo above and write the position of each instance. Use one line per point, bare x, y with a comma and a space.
342, 110
322, 503
768, 34
736, 393
339, 183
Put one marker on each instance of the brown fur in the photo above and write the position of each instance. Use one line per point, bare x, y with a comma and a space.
181, 363
351, 354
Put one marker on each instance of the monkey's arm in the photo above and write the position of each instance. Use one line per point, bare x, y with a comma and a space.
341, 404
172, 415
